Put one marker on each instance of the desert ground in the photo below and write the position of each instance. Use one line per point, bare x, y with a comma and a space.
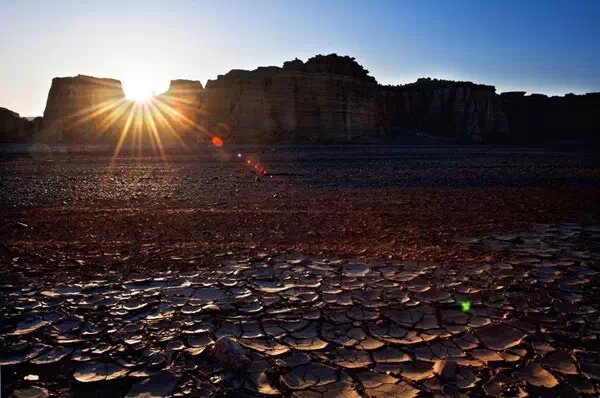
341, 270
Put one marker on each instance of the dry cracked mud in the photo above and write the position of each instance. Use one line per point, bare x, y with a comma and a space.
292, 325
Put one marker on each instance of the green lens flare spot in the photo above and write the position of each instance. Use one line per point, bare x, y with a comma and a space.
465, 306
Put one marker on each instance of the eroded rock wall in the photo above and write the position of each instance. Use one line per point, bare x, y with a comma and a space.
458, 110
327, 99
14, 128
182, 105
537, 117
83, 106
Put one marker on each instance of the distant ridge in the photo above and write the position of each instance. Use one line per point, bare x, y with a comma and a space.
327, 99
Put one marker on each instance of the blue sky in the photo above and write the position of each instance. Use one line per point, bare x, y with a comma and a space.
548, 46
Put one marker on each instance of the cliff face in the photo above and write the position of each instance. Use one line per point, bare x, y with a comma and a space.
14, 128
457, 110
326, 99
75, 105
537, 117
184, 103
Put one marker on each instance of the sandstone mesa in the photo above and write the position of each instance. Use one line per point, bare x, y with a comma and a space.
327, 99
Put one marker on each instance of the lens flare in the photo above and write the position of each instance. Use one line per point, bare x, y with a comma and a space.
465, 306
217, 141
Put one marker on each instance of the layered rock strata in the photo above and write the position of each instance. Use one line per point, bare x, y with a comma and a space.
459, 110
326, 99
182, 104
75, 104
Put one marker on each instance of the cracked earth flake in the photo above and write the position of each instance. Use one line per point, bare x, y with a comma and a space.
30, 392
309, 375
158, 385
351, 359
266, 346
535, 375
54, 355
499, 337
560, 361
313, 323
22, 353
381, 385
98, 371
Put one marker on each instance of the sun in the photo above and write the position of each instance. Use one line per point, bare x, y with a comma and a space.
138, 90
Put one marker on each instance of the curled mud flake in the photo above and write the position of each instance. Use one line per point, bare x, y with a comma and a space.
388, 333
266, 346
305, 376
158, 385
52, 356
253, 308
445, 369
465, 378
417, 371
499, 337
208, 294
295, 359
22, 354
98, 371
29, 325
537, 376
30, 392
351, 359
560, 361
485, 356
360, 314
308, 344
391, 355
355, 270
340, 389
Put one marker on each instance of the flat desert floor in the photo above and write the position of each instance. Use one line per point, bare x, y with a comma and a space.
339, 271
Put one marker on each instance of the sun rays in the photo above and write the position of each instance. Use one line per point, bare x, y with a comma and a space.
165, 120
143, 123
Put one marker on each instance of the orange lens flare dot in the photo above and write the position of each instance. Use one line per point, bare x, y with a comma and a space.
217, 141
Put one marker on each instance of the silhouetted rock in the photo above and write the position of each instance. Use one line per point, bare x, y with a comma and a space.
327, 99
184, 101
459, 110
537, 117
14, 128
75, 104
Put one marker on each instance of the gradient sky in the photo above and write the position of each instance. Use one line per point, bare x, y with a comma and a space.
547, 46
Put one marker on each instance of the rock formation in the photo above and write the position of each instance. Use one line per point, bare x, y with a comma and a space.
326, 99
14, 128
459, 110
537, 117
182, 105
75, 105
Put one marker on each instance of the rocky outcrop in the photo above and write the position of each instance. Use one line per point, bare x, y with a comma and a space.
327, 99
182, 105
14, 128
537, 117
461, 111
83, 106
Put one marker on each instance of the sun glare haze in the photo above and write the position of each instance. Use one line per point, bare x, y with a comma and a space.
138, 90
